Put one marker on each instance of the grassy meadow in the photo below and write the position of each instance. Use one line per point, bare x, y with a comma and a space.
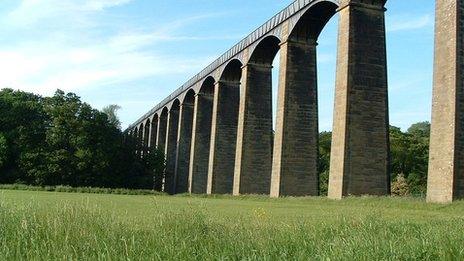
71, 226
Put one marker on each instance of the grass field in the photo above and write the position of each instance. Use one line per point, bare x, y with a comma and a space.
64, 226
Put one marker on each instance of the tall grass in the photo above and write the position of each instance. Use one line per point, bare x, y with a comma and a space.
82, 229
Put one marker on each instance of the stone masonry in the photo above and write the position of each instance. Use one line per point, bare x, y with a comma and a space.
153, 132
221, 141
294, 170
170, 149
360, 142
201, 135
223, 137
184, 139
446, 164
253, 162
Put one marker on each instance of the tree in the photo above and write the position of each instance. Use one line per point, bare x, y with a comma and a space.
157, 166
421, 129
409, 155
3, 150
61, 140
111, 112
325, 143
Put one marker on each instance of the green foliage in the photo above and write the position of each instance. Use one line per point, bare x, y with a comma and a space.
156, 165
61, 140
3, 150
420, 129
400, 186
325, 143
47, 226
409, 157
111, 113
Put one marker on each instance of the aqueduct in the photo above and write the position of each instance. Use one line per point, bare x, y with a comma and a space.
217, 134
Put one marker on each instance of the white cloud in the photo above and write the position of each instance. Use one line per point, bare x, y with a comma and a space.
73, 69
406, 23
97, 5
30, 12
62, 58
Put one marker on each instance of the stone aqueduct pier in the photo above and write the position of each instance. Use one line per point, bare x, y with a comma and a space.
217, 134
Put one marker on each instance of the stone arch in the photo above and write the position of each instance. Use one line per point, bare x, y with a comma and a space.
201, 137
207, 87
154, 131
189, 97
266, 50
161, 143
232, 72
171, 146
140, 140
295, 171
146, 135
224, 129
253, 162
310, 25
184, 141
163, 122
175, 105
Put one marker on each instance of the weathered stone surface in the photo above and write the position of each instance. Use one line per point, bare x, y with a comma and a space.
253, 162
153, 132
446, 165
296, 140
360, 143
170, 149
162, 127
184, 140
223, 138
160, 144
201, 137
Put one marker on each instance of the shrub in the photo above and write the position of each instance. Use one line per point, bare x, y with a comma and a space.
400, 186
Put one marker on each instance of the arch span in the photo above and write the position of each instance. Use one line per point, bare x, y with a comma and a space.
295, 152
146, 136
201, 137
171, 146
184, 141
224, 130
253, 160
310, 25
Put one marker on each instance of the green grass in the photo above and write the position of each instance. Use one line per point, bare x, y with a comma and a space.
72, 226
69, 189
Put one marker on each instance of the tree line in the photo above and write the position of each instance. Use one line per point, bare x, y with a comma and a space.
61, 140
409, 155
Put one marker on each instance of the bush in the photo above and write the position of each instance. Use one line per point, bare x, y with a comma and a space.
400, 186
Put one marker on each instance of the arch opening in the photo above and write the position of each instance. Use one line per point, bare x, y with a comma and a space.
224, 132
309, 65
160, 144
201, 138
171, 147
265, 51
146, 136
140, 140
312, 23
189, 98
184, 141
154, 132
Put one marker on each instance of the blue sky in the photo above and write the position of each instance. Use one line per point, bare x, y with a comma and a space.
136, 52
